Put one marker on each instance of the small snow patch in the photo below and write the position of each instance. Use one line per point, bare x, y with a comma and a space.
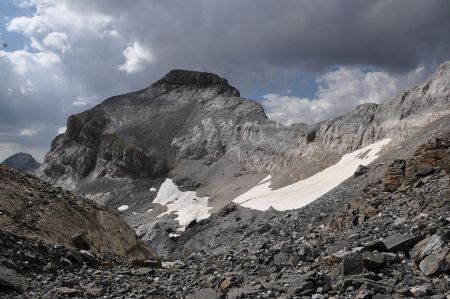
187, 205
134, 213
172, 235
123, 208
152, 189
149, 210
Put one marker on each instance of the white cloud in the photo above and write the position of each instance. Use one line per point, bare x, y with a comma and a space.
62, 130
339, 92
136, 57
82, 101
28, 87
57, 14
35, 129
24, 61
29, 132
57, 41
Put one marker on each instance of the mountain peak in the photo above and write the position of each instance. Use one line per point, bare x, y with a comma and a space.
196, 79
21, 162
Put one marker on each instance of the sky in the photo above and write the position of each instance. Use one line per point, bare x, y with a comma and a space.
305, 61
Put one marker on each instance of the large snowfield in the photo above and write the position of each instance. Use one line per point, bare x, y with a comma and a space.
187, 205
301, 193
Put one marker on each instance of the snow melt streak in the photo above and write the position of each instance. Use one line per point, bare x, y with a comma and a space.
299, 194
185, 204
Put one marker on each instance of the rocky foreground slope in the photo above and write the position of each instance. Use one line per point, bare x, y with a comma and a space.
43, 229
194, 128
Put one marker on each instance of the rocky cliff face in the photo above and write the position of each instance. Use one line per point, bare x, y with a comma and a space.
194, 125
22, 162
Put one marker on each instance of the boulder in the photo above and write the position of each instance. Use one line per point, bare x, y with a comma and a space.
80, 241
401, 242
420, 291
425, 247
264, 228
75, 256
374, 260
89, 258
375, 245
352, 264
146, 263
360, 171
10, 279
435, 262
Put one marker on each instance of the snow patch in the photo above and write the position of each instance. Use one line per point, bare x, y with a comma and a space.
123, 208
187, 205
172, 235
152, 189
303, 192
149, 210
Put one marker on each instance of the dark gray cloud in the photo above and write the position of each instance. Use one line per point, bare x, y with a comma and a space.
84, 51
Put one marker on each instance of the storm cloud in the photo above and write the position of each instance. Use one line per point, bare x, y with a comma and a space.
80, 52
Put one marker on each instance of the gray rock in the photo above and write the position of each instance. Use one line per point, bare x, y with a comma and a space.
65, 262
10, 279
401, 242
65, 291
75, 256
374, 260
89, 258
435, 262
419, 291
352, 264
80, 241
425, 247
361, 170
264, 228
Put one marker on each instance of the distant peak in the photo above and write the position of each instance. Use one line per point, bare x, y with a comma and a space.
22, 162
196, 79
23, 155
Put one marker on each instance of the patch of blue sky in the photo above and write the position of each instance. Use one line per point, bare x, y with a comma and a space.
10, 40
298, 84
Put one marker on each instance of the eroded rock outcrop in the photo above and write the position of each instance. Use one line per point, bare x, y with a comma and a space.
34, 209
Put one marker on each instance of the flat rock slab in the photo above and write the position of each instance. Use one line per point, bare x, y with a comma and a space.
401, 242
